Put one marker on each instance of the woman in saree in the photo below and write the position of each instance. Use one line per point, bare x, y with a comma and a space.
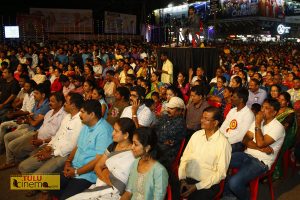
113, 166
287, 117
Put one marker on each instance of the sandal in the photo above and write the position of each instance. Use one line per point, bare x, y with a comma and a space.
7, 166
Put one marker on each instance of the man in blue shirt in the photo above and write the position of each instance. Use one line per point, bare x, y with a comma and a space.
94, 138
27, 125
256, 94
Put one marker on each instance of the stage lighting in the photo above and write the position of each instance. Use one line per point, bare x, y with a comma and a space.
170, 5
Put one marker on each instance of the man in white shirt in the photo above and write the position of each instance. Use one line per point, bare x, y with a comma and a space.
263, 141
167, 69
238, 120
138, 111
52, 120
51, 157
205, 160
97, 68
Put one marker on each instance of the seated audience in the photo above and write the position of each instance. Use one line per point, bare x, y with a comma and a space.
138, 111
256, 94
112, 177
52, 156
148, 179
263, 141
9, 89
121, 102
238, 120
98, 94
94, 138
67, 85
171, 130
56, 86
27, 125
205, 160
195, 109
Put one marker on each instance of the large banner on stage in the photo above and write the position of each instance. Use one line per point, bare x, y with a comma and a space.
119, 23
238, 8
65, 20
292, 8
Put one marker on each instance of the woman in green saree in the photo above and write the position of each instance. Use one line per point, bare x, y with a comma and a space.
287, 117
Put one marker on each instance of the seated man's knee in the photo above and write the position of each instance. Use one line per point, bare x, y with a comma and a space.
233, 183
24, 167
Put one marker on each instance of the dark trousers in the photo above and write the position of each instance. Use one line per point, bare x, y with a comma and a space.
203, 194
237, 147
71, 186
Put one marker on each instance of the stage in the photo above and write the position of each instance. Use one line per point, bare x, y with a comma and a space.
185, 57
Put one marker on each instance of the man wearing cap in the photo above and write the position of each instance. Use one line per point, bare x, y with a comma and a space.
171, 129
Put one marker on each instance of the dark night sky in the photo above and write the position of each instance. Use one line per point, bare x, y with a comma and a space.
10, 7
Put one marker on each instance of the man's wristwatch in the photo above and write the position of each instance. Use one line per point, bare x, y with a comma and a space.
257, 128
76, 174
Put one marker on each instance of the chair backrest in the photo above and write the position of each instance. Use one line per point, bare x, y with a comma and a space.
175, 163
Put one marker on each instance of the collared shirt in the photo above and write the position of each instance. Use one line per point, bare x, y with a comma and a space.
51, 124
170, 129
193, 115
65, 138
258, 97
236, 124
21, 94
276, 131
205, 160
167, 66
92, 141
28, 102
144, 115
41, 110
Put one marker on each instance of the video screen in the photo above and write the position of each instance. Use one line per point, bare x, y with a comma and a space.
11, 32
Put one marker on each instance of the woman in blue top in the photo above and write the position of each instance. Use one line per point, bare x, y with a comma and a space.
98, 94
148, 179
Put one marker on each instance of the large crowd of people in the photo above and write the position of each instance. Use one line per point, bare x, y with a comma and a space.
114, 124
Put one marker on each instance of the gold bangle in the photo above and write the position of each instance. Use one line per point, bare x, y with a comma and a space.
134, 116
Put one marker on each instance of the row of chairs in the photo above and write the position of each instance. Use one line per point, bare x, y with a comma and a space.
254, 184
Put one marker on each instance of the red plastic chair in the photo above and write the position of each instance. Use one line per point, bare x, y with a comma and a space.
169, 193
215, 104
175, 164
219, 195
288, 162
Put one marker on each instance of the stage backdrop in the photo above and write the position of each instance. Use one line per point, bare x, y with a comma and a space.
65, 20
119, 23
185, 58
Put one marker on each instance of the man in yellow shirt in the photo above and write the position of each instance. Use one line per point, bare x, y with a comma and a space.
167, 69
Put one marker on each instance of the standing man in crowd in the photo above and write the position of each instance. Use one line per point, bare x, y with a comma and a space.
167, 69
